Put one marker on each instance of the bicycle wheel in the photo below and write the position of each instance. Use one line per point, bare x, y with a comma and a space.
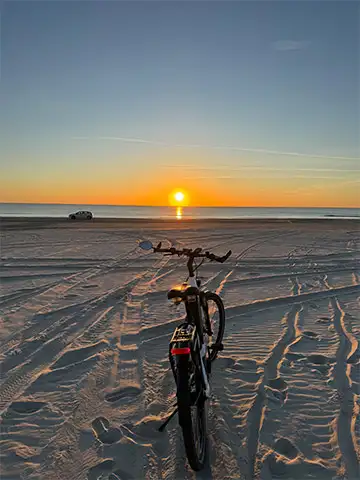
217, 322
192, 411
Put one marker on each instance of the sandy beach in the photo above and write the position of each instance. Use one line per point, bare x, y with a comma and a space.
84, 332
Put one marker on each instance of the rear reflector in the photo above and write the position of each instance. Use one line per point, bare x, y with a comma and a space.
180, 351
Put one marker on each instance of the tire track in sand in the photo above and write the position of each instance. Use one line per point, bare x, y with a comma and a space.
125, 392
44, 298
344, 424
127, 389
61, 333
270, 388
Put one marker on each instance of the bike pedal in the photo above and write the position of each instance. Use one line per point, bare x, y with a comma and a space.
217, 346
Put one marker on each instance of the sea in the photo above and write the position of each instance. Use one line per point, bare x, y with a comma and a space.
127, 211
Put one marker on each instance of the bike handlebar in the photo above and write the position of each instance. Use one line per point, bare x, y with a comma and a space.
192, 253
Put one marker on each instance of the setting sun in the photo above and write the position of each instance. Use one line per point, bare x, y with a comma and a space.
179, 196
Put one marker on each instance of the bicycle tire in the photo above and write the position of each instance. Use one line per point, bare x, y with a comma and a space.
221, 309
196, 455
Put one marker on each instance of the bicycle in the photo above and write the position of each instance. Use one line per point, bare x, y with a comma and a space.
192, 350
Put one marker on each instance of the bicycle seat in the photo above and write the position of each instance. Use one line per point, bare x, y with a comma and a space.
182, 291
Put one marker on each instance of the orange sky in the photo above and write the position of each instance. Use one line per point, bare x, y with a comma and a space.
155, 189
210, 179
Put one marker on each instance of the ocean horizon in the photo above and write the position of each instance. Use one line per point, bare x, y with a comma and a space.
158, 212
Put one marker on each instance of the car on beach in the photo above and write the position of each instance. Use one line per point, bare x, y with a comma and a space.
82, 215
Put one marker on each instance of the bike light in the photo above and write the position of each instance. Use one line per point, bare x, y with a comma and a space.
180, 351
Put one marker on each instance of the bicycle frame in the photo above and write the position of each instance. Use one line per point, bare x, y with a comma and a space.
188, 338
195, 303
187, 349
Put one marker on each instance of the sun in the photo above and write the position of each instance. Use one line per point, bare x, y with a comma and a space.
179, 196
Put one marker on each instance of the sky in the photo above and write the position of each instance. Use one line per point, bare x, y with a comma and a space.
235, 103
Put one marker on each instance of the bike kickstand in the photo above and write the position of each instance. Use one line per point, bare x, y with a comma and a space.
163, 426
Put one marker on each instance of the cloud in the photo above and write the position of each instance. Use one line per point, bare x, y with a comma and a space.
122, 139
261, 168
285, 175
290, 45
215, 147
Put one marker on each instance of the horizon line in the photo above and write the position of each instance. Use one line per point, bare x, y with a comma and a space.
166, 206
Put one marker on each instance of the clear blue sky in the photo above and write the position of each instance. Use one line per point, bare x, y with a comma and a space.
272, 76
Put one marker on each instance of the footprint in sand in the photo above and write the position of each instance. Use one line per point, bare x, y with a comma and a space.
96, 472
320, 363
277, 384
104, 432
286, 448
311, 335
318, 359
277, 390
293, 357
26, 408
122, 393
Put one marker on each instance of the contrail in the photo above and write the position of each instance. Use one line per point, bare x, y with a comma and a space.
216, 147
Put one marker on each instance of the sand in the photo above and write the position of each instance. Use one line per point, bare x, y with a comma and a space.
84, 333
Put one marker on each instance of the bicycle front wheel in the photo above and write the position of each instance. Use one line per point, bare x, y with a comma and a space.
192, 410
216, 313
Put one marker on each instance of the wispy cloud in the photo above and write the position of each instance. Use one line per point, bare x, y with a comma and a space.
261, 168
285, 175
216, 147
290, 45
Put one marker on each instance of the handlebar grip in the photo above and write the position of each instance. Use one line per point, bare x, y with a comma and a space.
225, 257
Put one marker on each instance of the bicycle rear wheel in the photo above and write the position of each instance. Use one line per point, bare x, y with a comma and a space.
192, 410
216, 312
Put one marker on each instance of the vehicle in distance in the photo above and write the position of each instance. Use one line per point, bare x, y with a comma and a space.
81, 215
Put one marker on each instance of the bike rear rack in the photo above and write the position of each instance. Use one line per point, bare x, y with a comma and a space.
162, 427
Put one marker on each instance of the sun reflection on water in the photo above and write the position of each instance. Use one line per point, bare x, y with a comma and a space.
179, 213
